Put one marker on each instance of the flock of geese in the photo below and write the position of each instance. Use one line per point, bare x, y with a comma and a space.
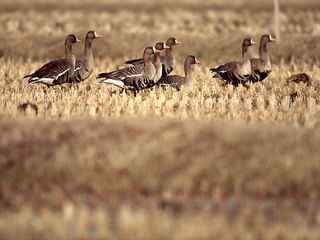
154, 68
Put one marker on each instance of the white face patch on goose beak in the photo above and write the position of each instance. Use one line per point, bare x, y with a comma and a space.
177, 42
272, 39
154, 49
253, 42
78, 40
97, 35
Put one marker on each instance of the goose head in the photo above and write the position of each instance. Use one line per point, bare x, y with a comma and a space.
267, 38
148, 53
248, 42
190, 62
71, 39
160, 46
172, 41
91, 35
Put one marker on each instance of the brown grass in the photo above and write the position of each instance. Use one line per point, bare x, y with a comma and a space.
189, 172
210, 161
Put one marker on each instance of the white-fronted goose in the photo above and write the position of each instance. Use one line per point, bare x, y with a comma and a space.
236, 72
160, 47
57, 71
167, 59
138, 77
261, 67
85, 64
177, 81
132, 78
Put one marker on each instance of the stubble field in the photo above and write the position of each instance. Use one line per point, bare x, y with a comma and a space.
210, 161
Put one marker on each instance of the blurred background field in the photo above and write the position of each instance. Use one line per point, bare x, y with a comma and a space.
210, 161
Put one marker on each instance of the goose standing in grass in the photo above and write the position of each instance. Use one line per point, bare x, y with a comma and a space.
177, 81
57, 71
167, 59
137, 77
130, 78
261, 67
236, 72
85, 64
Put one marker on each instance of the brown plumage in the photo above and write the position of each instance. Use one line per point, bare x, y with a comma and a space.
138, 77
132, 78
57, 71
300, 78
160, 48
177, 81
236, 72
85, 64
261, 67
167, 58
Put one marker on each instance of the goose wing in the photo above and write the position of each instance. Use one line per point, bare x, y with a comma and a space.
134, 82
138, 61
229, 73
175, 81
52, 73
124, 73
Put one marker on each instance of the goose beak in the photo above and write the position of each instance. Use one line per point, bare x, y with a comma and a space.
178, 43
98, 36
78, 40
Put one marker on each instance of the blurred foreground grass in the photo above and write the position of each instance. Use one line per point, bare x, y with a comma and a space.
169, 180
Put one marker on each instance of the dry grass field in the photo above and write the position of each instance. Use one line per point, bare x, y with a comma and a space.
208, 162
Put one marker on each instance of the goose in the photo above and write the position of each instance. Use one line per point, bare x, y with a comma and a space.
177, 81
137, 77
85, 64
131, 78
236, 72
167, 59
261, 67
158, 63
57, 71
